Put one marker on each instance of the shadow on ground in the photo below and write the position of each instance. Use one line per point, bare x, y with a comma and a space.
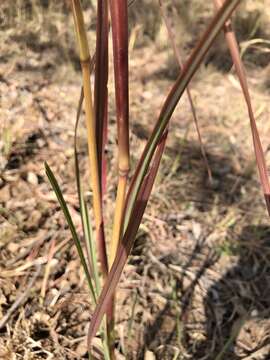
233, 175
221, 305
228, 318
237, 306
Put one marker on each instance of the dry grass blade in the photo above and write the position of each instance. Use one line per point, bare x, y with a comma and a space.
127, 242
235, 54
192, 106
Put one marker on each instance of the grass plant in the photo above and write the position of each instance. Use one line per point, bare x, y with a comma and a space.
103, 268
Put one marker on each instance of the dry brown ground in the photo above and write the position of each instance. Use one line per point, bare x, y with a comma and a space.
198, 280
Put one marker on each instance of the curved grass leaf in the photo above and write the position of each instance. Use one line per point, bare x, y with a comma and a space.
173, 98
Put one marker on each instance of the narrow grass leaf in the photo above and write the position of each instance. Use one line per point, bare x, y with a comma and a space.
240, 70
173, 98
127, 242
189, 96
72, 228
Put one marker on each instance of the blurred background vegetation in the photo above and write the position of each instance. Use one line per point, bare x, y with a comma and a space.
46, 25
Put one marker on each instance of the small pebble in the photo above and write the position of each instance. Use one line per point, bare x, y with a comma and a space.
32, 178
149, 355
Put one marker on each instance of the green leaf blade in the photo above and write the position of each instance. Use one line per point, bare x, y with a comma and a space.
71, 225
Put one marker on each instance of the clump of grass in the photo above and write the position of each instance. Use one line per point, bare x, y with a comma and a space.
102, 268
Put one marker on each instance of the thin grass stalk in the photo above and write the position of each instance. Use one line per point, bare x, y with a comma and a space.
240, 70
118, 217
97, 203
91, 132
101, 117
119, 17
78, 180
86, 224
119, 23
93, 153
101, 89
188, 91
87, 227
